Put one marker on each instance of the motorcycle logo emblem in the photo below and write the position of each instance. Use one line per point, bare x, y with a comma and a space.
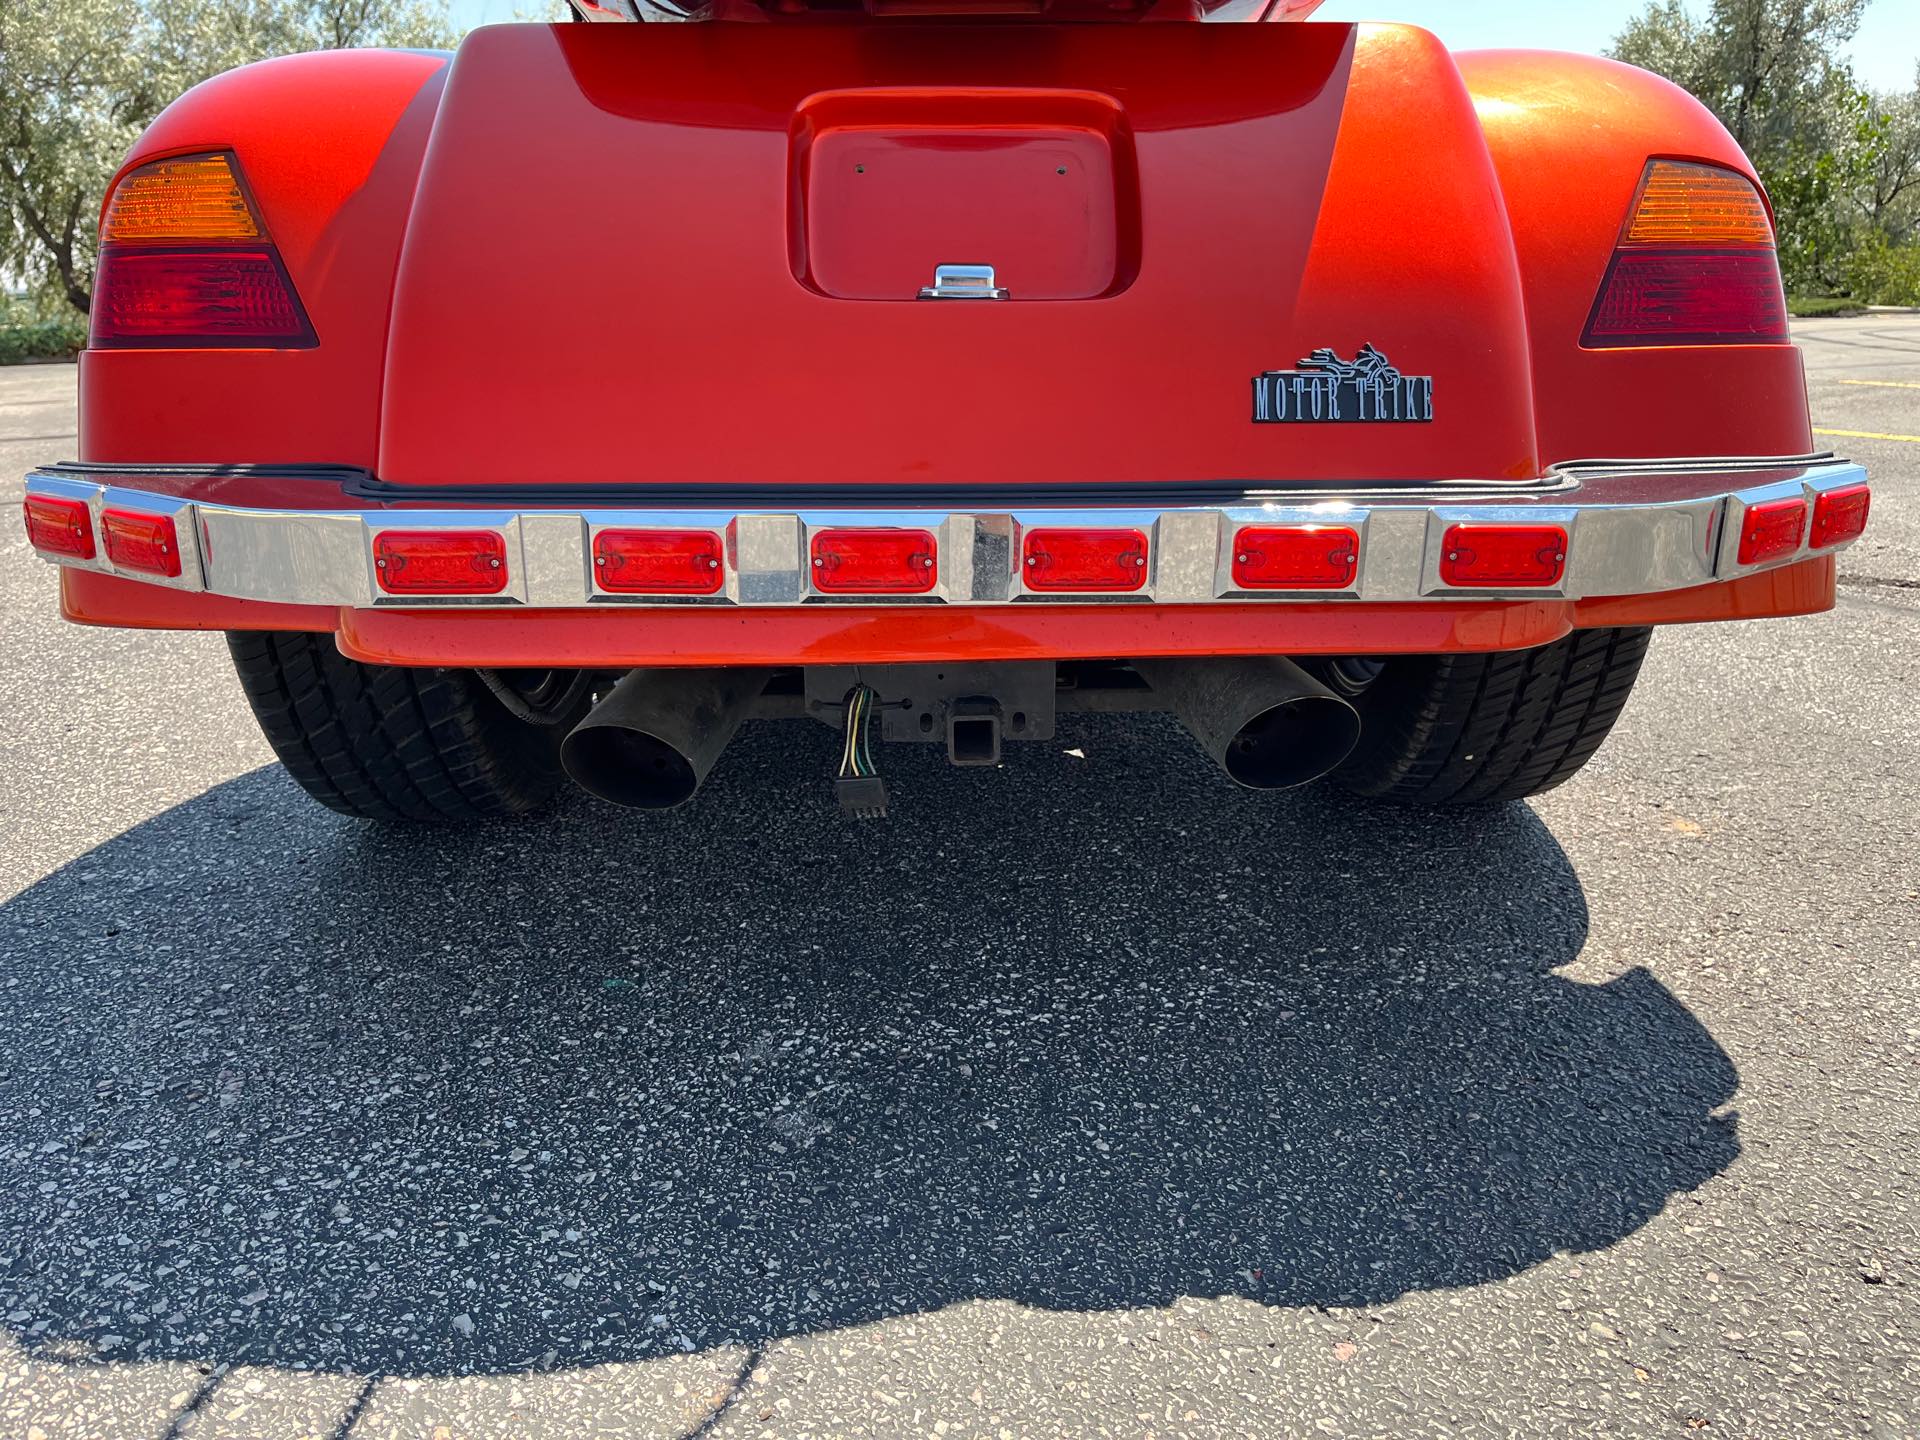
1326, 390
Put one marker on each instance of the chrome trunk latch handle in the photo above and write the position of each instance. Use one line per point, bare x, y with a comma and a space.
963, 282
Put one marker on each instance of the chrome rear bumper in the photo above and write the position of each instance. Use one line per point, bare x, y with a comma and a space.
1632, 527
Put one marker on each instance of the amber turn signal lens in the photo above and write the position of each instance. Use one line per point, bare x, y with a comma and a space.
190, 198
1697, 206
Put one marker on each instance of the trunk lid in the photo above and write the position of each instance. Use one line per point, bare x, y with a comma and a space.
690, 255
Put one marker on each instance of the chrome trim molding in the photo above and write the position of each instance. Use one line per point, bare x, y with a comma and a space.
1633, 528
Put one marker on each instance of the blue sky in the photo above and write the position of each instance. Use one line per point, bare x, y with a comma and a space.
1885, 55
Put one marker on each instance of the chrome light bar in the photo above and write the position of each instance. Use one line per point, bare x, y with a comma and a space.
1629, 528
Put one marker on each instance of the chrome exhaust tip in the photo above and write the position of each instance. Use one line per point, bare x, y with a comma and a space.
652, 740
1264, 720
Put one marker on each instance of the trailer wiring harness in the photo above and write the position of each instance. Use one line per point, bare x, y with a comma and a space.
858, 786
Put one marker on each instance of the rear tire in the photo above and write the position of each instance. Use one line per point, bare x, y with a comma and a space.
383, 742
1482, 729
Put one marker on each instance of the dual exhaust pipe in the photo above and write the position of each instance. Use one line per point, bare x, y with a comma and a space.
653, 739
1265, 721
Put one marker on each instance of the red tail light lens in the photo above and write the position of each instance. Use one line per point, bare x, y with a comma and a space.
1504, 557
1840, 515
185, 263
1657, 297
147, 543
1296, 557
196, 299
874, 562
1085, 561
1695, 265
658, 562
1772, 530
59, 527
440, 562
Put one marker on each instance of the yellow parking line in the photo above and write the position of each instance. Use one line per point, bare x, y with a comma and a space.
1885, 384
1870, 435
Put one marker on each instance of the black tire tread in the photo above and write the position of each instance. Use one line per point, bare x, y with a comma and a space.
382, 742
1485, 729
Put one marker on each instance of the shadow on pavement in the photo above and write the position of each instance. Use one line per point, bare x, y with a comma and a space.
276, 1087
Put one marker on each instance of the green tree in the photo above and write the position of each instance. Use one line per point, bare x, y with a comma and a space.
80, 79
1667, 40
1773, 71
1890, 196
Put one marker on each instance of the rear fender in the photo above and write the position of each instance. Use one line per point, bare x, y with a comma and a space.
1570, 136
330, 145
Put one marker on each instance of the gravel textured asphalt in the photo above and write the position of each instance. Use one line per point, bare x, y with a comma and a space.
1088, 1097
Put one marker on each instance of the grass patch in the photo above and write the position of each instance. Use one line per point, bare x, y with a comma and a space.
1807, 307
42, 340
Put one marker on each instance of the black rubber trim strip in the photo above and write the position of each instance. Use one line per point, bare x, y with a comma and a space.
1145, 494
341, 475
359, 484
1728, 464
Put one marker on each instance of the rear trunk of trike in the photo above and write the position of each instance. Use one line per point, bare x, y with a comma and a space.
950, 369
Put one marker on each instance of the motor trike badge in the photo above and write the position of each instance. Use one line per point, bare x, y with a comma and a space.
1366, 390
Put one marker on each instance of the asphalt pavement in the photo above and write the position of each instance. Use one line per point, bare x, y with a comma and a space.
1088, 1097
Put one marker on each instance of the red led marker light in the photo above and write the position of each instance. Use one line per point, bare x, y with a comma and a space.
1840, 515
658, 562
197, 299
136, 541
1503, 556
1084, 560
1772, 530
59, 527
440, 562
1296, 557
874, 562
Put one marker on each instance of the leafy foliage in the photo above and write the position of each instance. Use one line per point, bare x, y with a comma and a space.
42, 340
38, 327
1842, 165
1884, 272
80, 79
1803, 307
